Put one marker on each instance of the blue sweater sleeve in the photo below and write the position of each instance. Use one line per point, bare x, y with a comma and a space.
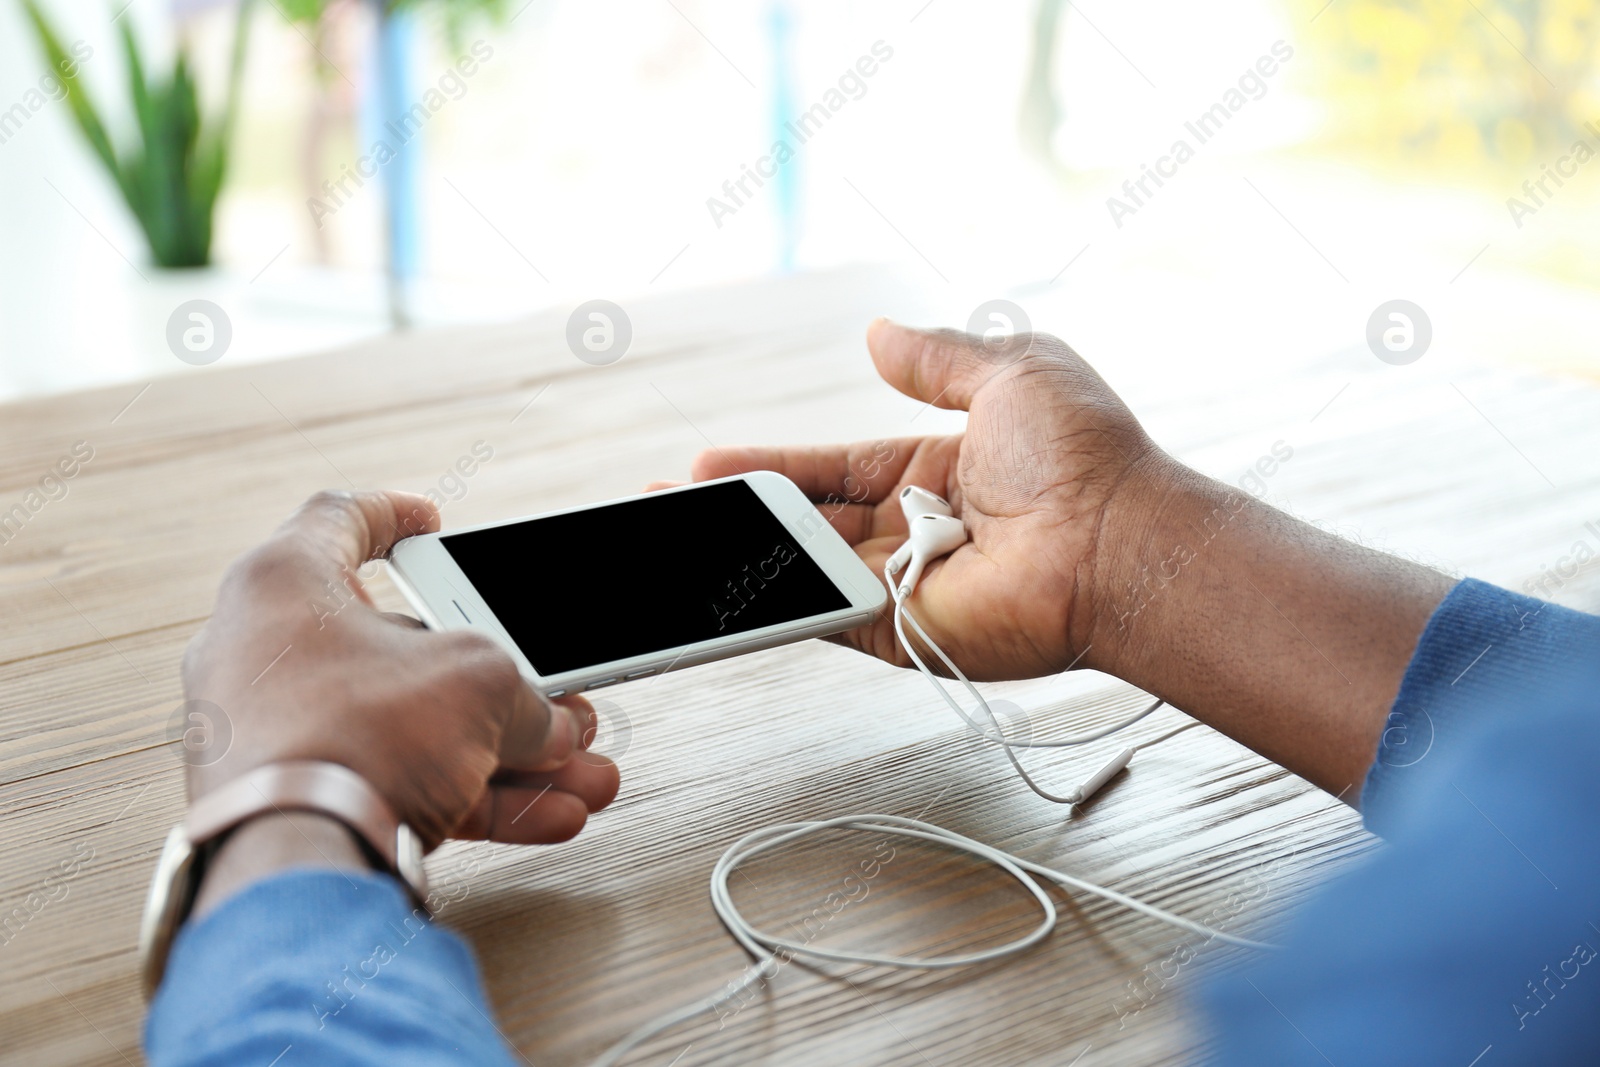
314, 966
1470, 936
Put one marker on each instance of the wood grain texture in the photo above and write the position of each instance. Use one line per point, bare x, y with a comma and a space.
579, 943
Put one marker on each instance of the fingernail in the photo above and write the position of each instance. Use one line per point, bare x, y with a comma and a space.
559, 744
588, 726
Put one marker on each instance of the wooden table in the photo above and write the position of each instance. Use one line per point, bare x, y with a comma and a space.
581, 942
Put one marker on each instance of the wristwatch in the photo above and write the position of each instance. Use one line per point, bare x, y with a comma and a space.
301, 785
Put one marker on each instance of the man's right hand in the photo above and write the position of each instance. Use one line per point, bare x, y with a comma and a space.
1091, 547
1048, 448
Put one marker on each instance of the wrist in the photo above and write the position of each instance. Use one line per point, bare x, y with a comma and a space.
1137, 551
1287, 638
245, 824
272, 843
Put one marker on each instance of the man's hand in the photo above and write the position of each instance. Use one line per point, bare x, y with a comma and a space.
1091, 547
1047, 448
441, 724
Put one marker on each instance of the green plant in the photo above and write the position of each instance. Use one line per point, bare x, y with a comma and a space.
172, 172
455, 15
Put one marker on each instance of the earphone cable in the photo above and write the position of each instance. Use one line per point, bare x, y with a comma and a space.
902, 616
769, 951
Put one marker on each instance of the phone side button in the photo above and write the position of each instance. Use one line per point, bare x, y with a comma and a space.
639, 674
554, 693
602, 683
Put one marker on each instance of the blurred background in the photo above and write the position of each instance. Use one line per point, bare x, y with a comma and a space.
441, 162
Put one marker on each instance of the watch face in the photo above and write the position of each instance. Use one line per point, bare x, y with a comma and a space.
172, 890
408, 864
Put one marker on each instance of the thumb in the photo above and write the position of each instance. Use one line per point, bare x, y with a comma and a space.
341, 531
945, 368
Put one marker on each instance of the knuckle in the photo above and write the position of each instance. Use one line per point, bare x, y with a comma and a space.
1051, 350
469, 644
338, 507
1058, 373
1048, 344
500, 673
948, 338
331, 500
1025, 352
482, 662
266, 566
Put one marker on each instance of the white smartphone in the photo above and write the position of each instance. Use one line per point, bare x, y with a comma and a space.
592, 596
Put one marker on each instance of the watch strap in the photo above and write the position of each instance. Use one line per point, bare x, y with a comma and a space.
276, 788
302, 785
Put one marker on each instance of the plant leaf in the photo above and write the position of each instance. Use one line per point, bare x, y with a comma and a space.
83, 109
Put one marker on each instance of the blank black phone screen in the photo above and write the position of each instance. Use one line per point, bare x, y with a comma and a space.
648, 575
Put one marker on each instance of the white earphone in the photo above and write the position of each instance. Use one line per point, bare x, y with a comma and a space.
931, 531
915, 500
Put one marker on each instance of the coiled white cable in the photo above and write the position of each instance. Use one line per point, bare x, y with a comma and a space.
770, 951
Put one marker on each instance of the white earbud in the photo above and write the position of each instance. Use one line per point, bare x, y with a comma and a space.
932, 536
916, 502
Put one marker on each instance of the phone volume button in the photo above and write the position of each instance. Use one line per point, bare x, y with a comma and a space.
602, 683
638, 674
